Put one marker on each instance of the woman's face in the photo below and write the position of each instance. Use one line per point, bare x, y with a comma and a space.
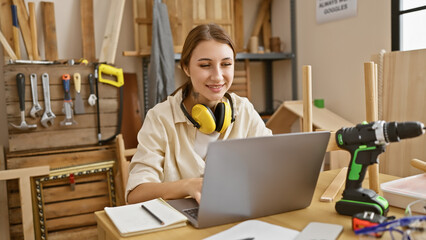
211, 69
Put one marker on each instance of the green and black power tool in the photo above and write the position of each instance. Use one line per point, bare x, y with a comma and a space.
365, 142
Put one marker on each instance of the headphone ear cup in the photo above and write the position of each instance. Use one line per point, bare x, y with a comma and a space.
205, 117
223, 114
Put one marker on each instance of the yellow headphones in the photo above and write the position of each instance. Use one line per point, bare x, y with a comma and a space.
203, 118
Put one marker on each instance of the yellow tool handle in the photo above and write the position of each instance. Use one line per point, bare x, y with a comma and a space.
107, 69
77, 82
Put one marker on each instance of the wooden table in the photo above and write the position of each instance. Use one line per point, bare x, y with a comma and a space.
316, 212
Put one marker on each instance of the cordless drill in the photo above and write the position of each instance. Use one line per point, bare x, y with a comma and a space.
365, 142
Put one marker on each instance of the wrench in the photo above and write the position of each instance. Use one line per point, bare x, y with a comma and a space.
67, 108
36, 106
48, 116
92, 97
20, 83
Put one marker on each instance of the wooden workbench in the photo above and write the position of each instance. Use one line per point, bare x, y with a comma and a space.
317, 211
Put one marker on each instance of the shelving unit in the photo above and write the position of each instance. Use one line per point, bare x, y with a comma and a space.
266, 58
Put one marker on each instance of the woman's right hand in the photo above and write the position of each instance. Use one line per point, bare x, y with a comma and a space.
194, 186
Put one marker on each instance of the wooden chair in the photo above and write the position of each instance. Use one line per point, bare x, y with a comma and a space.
123, 160
24, 175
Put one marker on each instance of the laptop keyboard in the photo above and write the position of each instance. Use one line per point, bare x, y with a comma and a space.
193, 212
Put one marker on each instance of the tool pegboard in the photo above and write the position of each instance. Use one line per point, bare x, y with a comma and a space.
83, 131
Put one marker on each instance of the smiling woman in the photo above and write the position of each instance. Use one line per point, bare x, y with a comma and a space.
173, 141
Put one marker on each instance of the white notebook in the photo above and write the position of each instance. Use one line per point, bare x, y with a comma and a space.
132, 219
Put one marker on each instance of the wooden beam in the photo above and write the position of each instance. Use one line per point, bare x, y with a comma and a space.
335, 186
7, 47
112, 32
370, 76
239, 25
6, 25
4, 217
24, 175
33, 30
87, 30
264, 7
49, 30
307, 98
266, 29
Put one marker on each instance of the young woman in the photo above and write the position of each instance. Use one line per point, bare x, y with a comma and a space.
175, 134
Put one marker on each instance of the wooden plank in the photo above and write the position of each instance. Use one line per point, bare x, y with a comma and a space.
56, 224
86, 233
307, 98
49, 30
322, 117
33, 30
335, 186
106, 92
266, 29
6, 20
371, 115
136, 25
66, 159
24, 26
112, 32
131, 120
4, 217
23, 142
87, 30
86, 121
15, 216
403, 100
24, 175
264, 7
282, 120
247, 69
85, 190
239, 25
7, 47
24, 172
80, 206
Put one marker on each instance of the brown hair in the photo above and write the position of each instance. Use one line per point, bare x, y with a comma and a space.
198, 34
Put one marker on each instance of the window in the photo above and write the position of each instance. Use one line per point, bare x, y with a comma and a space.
408, 21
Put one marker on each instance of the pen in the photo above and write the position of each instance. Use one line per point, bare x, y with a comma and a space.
152, 214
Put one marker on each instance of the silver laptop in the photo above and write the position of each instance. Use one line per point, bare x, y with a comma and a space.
255, 177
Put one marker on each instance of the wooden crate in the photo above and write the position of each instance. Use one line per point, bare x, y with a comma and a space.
183, 16
57, 136
69, 214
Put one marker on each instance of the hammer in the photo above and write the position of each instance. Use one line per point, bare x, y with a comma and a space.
20, 83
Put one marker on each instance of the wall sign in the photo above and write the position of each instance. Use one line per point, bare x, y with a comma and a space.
331, 10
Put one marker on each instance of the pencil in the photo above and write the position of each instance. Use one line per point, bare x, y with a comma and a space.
152, 214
